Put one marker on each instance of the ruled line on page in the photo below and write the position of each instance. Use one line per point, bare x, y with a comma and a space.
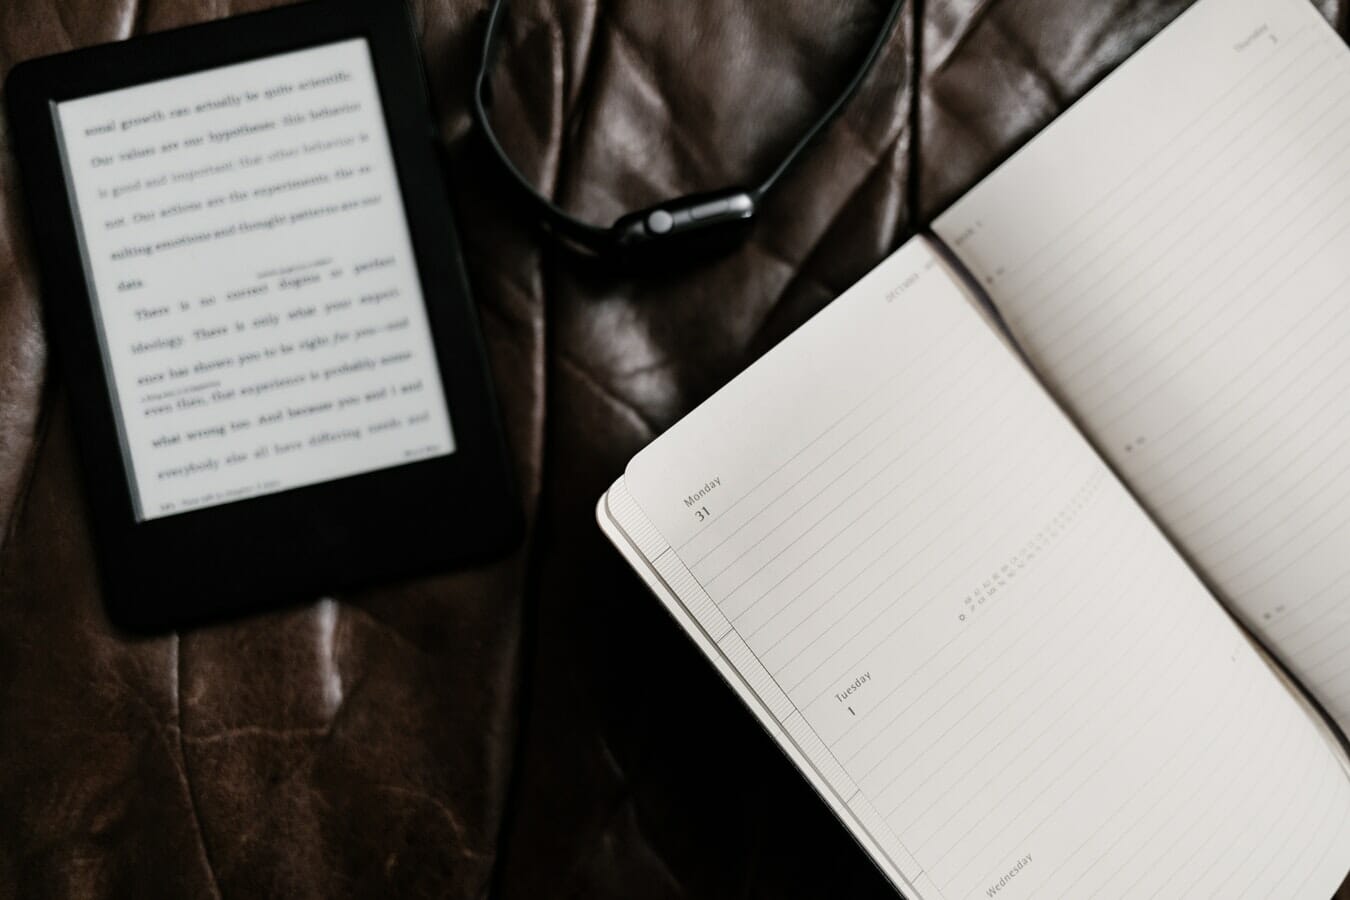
1195, 326
1197, 355
1243, 416
1289, 80
1158, 800
937, 652
1201, 276
863, 628
979, 624
1251, 765
1030, 744
1248, 770
732, 526
934, 479
1044, 695
857, 486
1138, 171
945, 851
1162, 225
884, 555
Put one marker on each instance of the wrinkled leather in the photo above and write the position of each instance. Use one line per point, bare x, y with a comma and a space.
536, 727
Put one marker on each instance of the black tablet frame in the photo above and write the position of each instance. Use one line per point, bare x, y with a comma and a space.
296, 544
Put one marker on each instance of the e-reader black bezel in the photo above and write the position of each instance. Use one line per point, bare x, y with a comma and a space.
295, 544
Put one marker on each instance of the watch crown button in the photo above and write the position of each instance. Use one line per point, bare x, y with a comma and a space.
659, 221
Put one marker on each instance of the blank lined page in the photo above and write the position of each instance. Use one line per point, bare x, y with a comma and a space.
986, 650
1172, 256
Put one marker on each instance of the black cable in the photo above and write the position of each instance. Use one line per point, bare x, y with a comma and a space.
582, 232
680, 218
838, 105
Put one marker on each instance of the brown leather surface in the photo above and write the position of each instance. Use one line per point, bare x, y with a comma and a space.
534, 728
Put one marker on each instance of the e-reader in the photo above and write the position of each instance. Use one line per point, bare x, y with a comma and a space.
251, 274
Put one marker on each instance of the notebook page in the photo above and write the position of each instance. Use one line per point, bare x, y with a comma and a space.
938, 594
1171, 255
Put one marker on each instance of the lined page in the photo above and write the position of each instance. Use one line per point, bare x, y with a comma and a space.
930, 581
1177, 272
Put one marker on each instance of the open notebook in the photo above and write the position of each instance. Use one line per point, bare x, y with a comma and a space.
982, 587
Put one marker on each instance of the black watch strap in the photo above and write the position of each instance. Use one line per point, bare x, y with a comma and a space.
666, 223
